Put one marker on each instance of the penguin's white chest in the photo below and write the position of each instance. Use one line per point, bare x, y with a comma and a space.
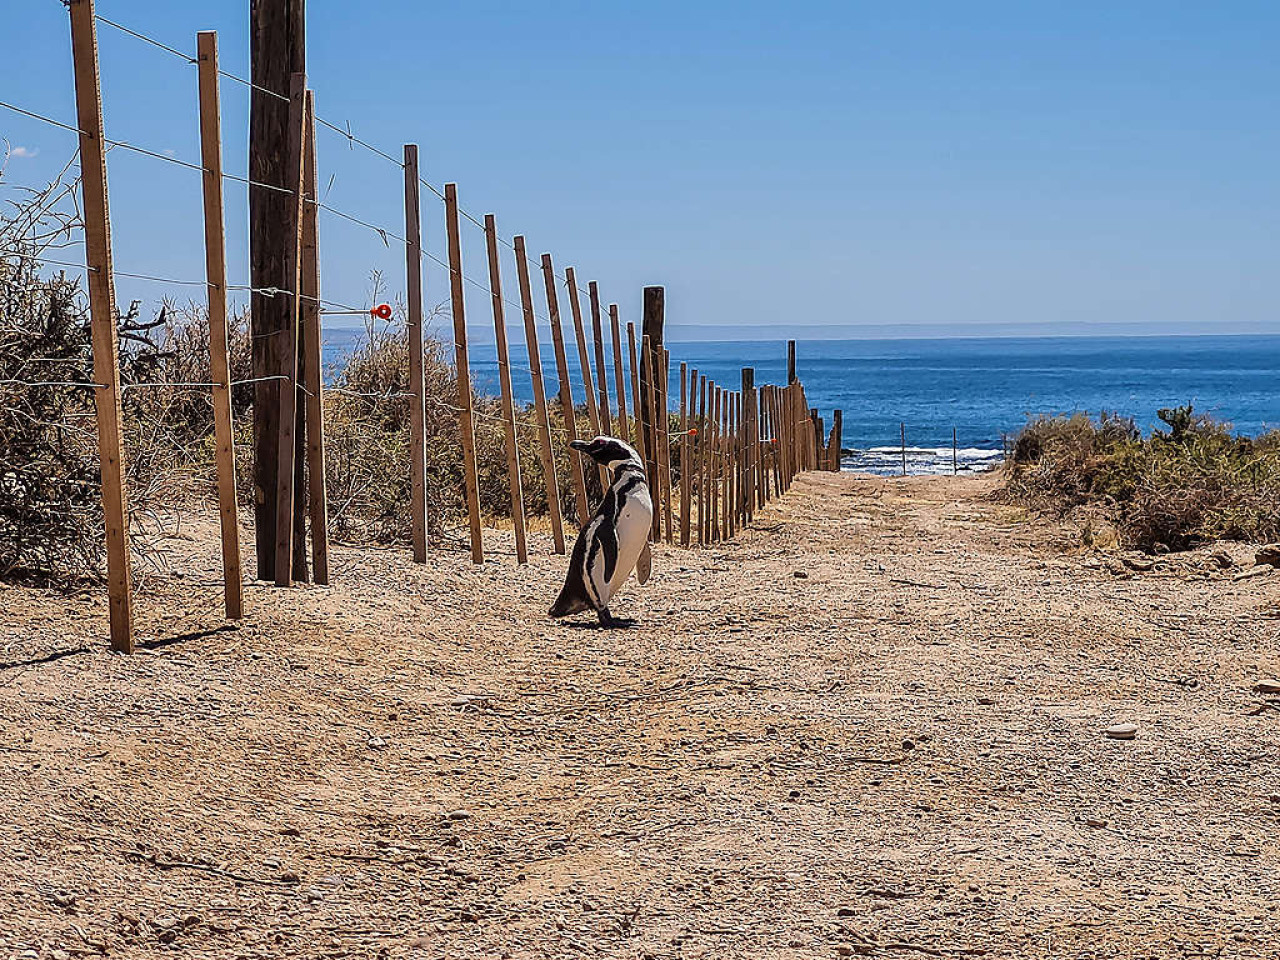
635, 518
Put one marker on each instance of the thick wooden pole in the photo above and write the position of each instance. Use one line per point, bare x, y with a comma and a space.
654, 319
504, 382
466, 425
686, 453
317, 485
602, 374
277, 52
102, 313
539, 395
417, 383
749, 445
566, 388
286, 448
791, 362
619, 384
215, 265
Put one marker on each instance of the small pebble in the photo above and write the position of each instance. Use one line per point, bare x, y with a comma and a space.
1122, 731
801, 575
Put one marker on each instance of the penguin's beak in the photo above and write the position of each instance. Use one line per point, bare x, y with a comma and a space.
580, 445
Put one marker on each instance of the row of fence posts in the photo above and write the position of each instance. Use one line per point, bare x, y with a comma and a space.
736, 448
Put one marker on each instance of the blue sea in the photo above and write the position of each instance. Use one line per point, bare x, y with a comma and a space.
984, 389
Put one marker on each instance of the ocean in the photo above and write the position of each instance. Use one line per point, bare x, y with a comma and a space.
984, 389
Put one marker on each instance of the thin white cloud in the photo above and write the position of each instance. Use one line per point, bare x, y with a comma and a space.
27, 152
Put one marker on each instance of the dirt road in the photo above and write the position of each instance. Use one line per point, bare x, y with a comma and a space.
873, 725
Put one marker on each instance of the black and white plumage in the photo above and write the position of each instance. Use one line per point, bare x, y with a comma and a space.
615, 540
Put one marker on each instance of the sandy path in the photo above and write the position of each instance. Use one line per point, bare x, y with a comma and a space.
897, 754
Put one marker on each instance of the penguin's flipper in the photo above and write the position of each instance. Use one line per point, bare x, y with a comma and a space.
644, 565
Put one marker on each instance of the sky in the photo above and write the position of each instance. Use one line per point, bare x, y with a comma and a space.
849, 168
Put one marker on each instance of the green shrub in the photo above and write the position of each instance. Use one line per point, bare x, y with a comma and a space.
1193, 483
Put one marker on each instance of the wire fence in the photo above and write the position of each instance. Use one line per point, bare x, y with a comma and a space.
728, 443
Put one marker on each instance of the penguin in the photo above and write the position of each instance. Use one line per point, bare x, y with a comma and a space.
616, 538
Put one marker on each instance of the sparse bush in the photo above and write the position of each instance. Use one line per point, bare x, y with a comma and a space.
1193, 483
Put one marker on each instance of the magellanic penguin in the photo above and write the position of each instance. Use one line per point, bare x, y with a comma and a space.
615, 540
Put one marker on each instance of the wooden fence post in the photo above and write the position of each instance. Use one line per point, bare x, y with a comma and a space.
837, 433
704, 441
654, 318
791, 362
748, 444
102, 312
637, 413
619, 384
417, 385
313, 394
278, 50
215, 261
654, 473
686, 449
566, 388
664, 370
584, 357
504, 381
602, 375
286, 451
466, 426
539, 395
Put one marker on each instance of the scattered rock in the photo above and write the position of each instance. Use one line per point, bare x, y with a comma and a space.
1267, 686
1223, 559
1269, 555
1122, 731
908, 745
1141, 564
1091, 822
377, 743
458, 815
800, 575
1259, 570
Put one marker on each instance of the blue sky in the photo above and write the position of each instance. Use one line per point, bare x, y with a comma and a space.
896, 168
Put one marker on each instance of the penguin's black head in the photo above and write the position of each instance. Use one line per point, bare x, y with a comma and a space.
609, 452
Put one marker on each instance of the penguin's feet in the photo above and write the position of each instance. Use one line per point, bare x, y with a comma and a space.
610, 622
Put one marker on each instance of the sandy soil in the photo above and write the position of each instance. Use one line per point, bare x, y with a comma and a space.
873, 725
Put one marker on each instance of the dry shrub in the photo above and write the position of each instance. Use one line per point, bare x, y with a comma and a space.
1193, 483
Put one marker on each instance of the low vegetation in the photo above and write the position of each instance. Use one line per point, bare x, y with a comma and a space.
50, 507
1191, 483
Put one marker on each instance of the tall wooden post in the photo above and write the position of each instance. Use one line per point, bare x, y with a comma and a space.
466, 425
278, 51
566, 388
287, 386
102, 312
654, 319
504, 381
654, 470
584, 357
702, 459
664, 421
686, 452
791, 362
417, 384
636, 395
602, 375
749, 445
619, 384
539, 395
215, 263
313, 400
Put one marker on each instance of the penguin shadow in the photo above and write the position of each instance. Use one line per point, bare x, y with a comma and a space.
619, 623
